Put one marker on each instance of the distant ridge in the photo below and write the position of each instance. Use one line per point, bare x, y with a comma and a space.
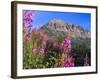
62, 27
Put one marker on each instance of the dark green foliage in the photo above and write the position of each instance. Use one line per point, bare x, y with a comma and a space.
80, 47
52, 54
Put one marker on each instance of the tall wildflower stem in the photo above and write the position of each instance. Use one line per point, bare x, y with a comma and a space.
28, 19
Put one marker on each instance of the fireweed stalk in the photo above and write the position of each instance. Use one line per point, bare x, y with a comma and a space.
28, 19
43, 45
66, 59
27, 24
39, 43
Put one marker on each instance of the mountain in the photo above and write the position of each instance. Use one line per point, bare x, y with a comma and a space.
61, 28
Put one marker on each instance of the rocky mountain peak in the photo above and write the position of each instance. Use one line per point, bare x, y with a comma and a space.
62, 26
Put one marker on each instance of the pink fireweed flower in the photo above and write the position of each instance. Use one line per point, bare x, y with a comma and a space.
41, 51
28, 14
28, 18
69, 63
27, 38
67, 41
66, 45
34, 50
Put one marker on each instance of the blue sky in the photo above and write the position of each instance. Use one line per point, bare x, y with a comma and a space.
81, 19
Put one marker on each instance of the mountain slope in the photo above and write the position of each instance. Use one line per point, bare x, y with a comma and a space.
59, 27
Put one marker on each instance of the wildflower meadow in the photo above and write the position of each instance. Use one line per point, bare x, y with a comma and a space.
41, 50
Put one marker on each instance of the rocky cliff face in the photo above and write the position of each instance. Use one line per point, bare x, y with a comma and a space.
61, 27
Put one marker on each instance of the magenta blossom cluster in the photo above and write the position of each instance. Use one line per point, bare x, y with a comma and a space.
69, 62
66, 45
28, 19
65, 50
